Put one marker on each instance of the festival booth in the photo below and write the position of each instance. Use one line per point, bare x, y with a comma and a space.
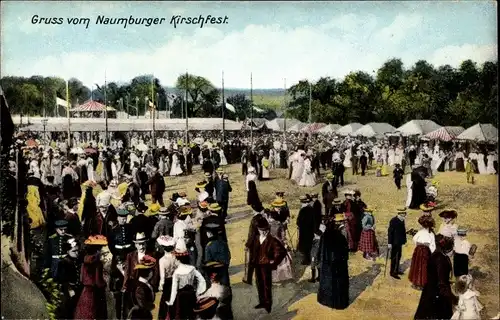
329, 129
92, 109
482, 136
297, 127
281, 124
444, 134
412, 130
312, 128
374, 130
349, 129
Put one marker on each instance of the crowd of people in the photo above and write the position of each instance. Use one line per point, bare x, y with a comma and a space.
114, 242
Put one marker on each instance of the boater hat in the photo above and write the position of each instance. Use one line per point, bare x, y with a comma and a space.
337, 201
201, 185
424, 208
154, 208
278, 202
339, 217
147, 262
214, 207
163, 211
98, 240
304, 199
184, 211
205, 304
140, 237
401, 210
166, 241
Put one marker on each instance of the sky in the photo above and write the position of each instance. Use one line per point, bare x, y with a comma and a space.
279, 43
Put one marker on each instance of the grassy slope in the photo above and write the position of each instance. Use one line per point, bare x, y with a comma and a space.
376, 297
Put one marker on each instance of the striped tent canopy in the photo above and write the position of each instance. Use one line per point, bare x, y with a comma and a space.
444, 133
91, 106
312, 127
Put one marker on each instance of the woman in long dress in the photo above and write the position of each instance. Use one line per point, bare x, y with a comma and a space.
333, 256
298, 165
391, 155
398, 155
90, 169
284, 270
56, 168
347, 160
425, 245
223, 160
175, 170
265, 167
490, 167
459, 161
481, 166
308, 176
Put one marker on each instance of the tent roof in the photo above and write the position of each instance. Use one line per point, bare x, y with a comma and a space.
331, 128
98, 124
418, 127
444, 133
278, 124
91, 105
349, 128
297, 127
481, 132
374, 129
312, 127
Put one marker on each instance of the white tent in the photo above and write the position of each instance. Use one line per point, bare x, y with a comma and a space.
418, 127
481, 132
374, 129
349, 129
278, 124
331, 128
297, 127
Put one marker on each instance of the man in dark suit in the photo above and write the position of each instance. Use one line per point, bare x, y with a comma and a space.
217, 250
253, 235
396, 238
222, 190
157, 187
328, 193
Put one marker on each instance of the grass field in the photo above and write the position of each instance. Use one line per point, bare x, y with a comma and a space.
269, 101
373, 295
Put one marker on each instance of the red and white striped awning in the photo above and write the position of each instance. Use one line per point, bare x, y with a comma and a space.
312, 127
91, 106
444, 133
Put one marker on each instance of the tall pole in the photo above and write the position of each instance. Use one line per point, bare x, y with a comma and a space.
128, 107
158, 106
310, 103
153, 112
105, 111
137, 106
284, 111
251, 110
67, 114
187, 123
223, 111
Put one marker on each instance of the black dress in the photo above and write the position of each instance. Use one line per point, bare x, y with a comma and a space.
333, 259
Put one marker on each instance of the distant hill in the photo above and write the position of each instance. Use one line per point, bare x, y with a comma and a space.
266, 98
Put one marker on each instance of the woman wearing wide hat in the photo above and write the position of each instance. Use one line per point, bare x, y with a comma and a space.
437, 299
206, 309
425, 245
187, 284
92, 301
222, 293
144, 294
448, 228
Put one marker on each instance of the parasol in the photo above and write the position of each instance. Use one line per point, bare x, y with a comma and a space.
142, 147
77, 150
90, 150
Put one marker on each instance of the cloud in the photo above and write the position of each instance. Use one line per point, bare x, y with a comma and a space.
270, 52
454, 55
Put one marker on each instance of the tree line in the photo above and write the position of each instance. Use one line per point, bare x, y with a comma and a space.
450, 96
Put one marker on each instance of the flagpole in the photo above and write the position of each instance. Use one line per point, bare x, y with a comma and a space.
187, 121
105, 111
251, 110
310, 102
284, 111
154, 109
67, 114
223, 111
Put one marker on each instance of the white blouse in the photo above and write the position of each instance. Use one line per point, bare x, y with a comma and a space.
424, 236
168, 264
461, 246
180, 227
186, 275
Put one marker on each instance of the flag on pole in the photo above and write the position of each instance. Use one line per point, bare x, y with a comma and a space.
230, 107
151, 105
61, 102
257, 109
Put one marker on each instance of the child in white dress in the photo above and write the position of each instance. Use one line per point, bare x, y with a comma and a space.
469, 307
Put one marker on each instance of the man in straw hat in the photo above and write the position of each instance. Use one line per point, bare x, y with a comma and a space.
328, 192
133, 258
267, 253
144, 294
396, 238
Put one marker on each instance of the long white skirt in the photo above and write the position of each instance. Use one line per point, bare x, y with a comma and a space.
223, 160
175, 170
307, 180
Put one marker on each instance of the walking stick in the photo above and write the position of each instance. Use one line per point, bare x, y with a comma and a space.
290, 240
245, 274
386, 258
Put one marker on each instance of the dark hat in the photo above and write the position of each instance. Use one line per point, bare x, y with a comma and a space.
357, 193
122, 212
314, 195
61, 224
262, 224
448, 214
